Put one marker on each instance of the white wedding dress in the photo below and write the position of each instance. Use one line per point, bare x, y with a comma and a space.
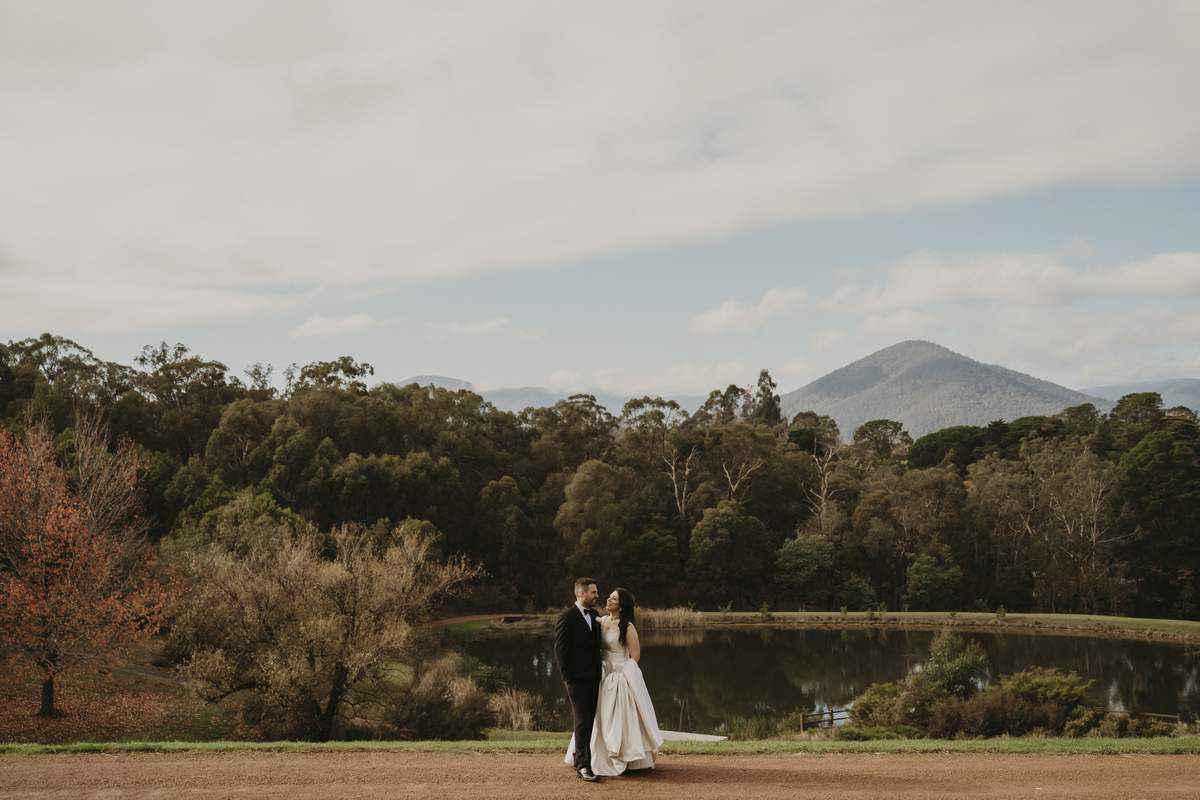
625, 734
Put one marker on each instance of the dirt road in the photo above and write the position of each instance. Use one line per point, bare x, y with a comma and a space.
370, 775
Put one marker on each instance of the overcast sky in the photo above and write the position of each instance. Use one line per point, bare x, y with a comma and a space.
630, 196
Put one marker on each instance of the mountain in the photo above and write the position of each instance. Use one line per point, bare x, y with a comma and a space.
1174, 391
927, 387
519, 398
440, 381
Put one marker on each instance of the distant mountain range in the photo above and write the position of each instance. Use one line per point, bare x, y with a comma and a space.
927, 387
1175, 391
922, 384
519, 398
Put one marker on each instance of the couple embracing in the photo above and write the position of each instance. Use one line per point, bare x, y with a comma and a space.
597, 655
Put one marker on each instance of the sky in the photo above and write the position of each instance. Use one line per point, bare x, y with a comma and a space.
634, 197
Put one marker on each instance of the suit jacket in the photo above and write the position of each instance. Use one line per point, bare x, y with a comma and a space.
577, 650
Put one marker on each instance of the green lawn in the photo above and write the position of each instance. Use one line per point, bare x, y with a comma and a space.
552, 744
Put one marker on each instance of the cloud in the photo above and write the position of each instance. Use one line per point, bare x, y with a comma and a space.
319, 326
686, 377
736, 316
796, 368
827, 338
905, 322
564, 379
212, 148
479, 327
100, 307
1035, 279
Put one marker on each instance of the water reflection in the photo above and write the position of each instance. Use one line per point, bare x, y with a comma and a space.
700, 678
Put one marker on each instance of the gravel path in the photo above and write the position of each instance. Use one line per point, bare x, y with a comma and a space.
369, 775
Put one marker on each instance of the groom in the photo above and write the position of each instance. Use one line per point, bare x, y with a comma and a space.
578, 655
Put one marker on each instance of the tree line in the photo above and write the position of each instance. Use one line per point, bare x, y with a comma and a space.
731, 505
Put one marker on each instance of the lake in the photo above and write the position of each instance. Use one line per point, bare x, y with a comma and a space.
698, 679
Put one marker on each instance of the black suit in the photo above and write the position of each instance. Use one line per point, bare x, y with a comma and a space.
578, 654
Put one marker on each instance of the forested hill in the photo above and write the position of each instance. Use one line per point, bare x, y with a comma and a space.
926, 386
734, 503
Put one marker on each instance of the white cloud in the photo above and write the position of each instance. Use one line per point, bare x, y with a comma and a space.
826, 338
733, 315
479, 327
686, 377
220, 149
904, 322
564, 379
1036, 279
796, 368
100, 307
319, 326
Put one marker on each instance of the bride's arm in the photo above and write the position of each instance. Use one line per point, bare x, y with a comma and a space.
631, 642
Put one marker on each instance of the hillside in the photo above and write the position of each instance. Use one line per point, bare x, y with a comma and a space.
1175, 391
927, 387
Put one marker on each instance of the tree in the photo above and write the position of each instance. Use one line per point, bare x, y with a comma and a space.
766, 408
814, 433
732, 557
884, 438
803, 569
75, 587
343, 373
1159, 489
295, 634
932, 582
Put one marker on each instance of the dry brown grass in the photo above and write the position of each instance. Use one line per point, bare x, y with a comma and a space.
669, 618
514, 709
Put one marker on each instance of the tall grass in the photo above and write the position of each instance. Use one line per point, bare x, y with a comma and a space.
669, 618
513, 709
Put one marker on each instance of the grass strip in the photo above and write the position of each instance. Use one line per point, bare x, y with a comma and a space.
549, 744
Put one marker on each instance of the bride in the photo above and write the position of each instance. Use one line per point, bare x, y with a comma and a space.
625, 734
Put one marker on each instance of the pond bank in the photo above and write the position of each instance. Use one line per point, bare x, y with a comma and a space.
1133, 628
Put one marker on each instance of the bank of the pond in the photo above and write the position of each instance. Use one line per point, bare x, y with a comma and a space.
1135, 628
556, 743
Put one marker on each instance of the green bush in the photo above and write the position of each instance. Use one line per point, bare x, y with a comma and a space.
1117, 726
440, 703
1082, 721
954, 666
1045, 685
878, 706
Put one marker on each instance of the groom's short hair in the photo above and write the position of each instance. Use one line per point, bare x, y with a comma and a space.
582, 583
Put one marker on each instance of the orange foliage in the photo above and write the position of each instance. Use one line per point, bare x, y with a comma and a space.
71, 591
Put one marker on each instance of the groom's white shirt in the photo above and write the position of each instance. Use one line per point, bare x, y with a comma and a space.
586, 616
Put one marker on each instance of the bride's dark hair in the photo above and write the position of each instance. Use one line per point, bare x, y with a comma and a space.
625, 606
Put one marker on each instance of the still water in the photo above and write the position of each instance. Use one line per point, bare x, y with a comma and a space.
699, 679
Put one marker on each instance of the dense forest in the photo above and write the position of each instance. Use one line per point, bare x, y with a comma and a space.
732, 505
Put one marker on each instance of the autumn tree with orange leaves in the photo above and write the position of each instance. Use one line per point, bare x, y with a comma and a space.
75, 575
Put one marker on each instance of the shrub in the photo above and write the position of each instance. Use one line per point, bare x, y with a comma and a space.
1082, 721
856, 733
1045, 685
440, 703
878, 705
757, 727
954, 665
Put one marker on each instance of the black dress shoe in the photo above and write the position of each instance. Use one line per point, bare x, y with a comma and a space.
586, 774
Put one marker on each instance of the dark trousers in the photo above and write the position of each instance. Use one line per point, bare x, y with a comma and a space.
583, 695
